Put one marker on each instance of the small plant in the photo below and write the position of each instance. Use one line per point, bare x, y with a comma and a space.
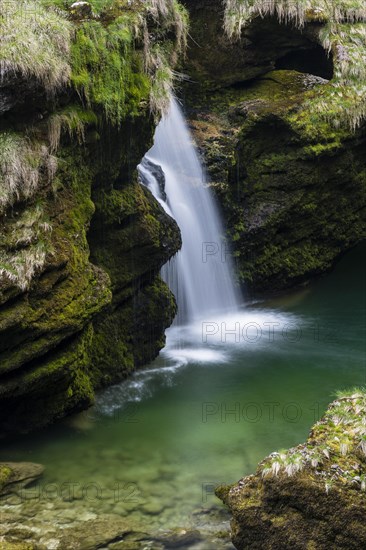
20, 165
316, 457
362, 444
72, 119
20, 268
288, 462
328, 486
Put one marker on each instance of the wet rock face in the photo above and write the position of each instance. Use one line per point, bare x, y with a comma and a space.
214, 61
157, 172
292, 192
294, 201
16, 91
73, 330
296, 514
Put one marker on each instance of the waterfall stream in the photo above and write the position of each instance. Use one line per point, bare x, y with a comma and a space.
201, 275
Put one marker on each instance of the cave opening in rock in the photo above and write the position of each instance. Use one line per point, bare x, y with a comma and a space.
314, 60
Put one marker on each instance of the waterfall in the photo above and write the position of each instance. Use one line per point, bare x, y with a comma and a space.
201, 274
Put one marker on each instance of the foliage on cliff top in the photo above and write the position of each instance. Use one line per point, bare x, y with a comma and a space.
110, 72
343, 100
105, 48
35, 42
336, 449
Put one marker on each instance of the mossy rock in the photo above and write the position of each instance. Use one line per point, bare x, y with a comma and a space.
311, 496
5, 475
56, 348
81, 241
288, 193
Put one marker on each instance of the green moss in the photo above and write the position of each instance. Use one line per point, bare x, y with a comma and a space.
288, 189
67, 371
106, 70
110, 74
130, 334
342, 102
137, 228
336, 449
72, 119
73, 290
153, 309
5, 475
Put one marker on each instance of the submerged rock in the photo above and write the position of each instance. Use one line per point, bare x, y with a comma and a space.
16, 475
312, 496
179, 538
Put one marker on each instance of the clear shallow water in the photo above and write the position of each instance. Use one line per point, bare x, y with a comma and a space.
206, 412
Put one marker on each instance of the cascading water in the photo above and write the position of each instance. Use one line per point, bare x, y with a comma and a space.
201, 274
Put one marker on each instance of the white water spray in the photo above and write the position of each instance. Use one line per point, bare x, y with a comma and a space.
201, 274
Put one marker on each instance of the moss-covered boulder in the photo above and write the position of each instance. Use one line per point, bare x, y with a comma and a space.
312, 496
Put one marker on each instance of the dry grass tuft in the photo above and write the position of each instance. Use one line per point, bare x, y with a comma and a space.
35, 42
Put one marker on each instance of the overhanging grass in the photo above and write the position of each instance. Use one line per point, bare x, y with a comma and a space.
35, 42
343, 100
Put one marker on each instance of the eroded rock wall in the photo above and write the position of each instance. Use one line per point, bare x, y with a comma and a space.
291, 186
82, 242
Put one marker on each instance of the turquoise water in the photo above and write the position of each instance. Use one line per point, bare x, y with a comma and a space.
206, 412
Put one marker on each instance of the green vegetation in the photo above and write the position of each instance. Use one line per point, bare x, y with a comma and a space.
113, 58
23, 164
312, 494
110, 56
20, 268
72, 119
35, 42
106, 71
336, 448
20, 163
343, 100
